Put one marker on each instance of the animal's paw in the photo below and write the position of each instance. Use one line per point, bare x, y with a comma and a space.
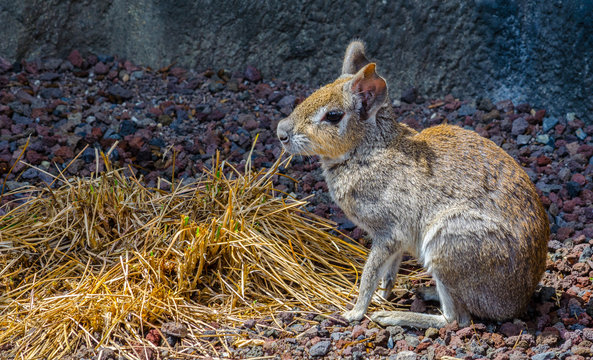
353, 315
384, 318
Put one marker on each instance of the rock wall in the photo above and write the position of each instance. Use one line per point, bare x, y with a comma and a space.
534, 51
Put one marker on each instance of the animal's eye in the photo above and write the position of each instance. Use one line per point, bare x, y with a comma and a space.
334, 116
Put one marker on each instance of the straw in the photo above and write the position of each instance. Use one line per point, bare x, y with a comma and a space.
98, 262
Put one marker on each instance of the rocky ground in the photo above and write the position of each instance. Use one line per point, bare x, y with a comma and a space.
171, 121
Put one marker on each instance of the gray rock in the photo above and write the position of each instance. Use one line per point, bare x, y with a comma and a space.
296, 328
588, 333
581, 134
51, 64
21, 120
519, 126
13, 185
412, 340
74, 119
255, 352
50, 93
477, 348
523, 139
287, 100
543, 139
21, 108
30, 174
549, 123
466, 110
119, 93
405, 355
395, 330
49, 76
252, 74
320, 349
564, 174
544, 356
137, 75
546, 188
586, 255
335, 336
127, 127
485, 105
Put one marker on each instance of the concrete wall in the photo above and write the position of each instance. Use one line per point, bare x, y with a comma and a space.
530, 50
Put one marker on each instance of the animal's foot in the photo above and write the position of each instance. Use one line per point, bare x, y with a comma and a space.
384, 318
353, 315
408, 318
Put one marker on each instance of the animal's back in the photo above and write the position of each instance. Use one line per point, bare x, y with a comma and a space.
493, 228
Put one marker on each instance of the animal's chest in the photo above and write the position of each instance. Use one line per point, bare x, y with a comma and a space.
363, 200
383, 207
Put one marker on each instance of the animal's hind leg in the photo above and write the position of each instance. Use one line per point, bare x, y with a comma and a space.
428, 293
389, 275
449, 313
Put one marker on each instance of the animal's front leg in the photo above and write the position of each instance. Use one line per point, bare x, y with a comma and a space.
371, 272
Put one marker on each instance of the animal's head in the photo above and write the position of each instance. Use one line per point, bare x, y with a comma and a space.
333, 120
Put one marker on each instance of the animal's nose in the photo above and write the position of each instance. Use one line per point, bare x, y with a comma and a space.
283, 136
282, 132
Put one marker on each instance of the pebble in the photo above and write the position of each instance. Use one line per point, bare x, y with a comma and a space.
519, 126
431, 333
412, 340
127, 127
523, 139
336, 335
5, 65
405, 355
543, 139
573, 188
30, 174
466, 110
51, 93
119, 93
288, 100
544, 356
252, 74
320, 349
75, 58
49, 76
390, 343
511, 329
485, 105
137, 75
100, 68
410, 95
357, 331
549, 123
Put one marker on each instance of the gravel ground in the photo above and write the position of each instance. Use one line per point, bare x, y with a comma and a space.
63, 105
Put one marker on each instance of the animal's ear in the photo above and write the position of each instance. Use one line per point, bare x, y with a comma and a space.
354, 59
370, 89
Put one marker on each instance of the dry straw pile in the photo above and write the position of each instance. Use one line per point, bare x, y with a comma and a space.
101, 261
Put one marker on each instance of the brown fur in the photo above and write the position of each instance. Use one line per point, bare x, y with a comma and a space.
453, 199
